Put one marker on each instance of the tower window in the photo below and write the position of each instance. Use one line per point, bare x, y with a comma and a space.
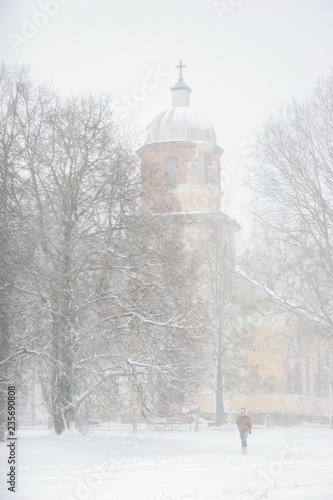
293, 371
201, 172
172, 171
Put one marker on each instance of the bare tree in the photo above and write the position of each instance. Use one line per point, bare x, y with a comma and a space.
292, 206
11, 82
100, 281
77, 182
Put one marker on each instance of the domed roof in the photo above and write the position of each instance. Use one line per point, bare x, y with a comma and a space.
181, 124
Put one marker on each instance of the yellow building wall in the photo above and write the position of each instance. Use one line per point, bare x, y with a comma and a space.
278, 403
272, 361
206, 402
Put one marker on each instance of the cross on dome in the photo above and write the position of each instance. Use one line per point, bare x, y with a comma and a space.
180, 91
181, 66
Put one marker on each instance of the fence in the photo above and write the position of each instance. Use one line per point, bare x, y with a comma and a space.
188, 424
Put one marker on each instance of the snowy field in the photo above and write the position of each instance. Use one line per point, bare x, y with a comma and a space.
282, 463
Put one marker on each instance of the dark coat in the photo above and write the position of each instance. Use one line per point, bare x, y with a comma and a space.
244, 423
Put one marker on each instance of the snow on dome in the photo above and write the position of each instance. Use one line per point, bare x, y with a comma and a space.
181, 124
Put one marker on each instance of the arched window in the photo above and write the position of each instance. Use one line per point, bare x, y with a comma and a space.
321, 379
172, 171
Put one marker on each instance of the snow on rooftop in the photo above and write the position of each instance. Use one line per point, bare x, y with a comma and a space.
281, 301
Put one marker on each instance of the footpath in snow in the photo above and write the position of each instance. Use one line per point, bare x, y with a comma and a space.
282, 464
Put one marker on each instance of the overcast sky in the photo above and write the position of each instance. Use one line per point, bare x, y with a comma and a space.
244, 58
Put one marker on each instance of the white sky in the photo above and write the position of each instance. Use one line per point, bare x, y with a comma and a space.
241, 65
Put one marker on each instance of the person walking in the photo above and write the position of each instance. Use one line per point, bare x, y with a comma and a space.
244, 425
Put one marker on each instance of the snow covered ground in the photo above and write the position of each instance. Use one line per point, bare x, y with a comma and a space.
282, 463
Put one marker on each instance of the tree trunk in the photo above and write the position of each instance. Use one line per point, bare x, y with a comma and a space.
220, 413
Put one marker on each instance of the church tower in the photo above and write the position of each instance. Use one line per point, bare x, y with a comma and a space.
181, 143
